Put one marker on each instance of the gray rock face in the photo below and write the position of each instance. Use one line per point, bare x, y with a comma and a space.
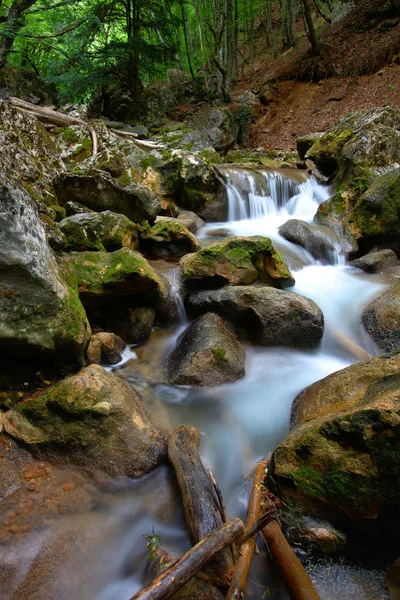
39, 311
207, 355
98, 231
98, 191
192, 221
250, 101
376, 262
217, 124
269, 317
320, 241
99, 418
381, 319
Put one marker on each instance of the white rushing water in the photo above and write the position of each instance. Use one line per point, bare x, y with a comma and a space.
241, 422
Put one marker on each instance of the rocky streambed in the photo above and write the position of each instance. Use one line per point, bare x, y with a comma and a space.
145, 288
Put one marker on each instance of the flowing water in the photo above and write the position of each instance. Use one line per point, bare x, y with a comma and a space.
241, 422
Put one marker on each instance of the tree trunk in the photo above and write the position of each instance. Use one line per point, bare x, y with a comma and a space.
310, 29
15, 21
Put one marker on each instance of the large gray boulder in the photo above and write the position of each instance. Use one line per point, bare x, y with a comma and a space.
98, 191
320, 241
92, 419
40, 311
381, 319
268, 316
208, 354
376, 262
218, 124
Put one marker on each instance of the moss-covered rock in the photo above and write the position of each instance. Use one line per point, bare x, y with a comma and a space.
208, 354
366, 139
268, 316
98, 191
236, 261
381, 319
305, 142
217, 124
98, 231
132, 324
92, 419
40, 311
341, 462
168, 238
101, 276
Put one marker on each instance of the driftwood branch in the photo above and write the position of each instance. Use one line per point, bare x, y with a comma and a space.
176, 576
292, 572
132, 137
47, 115
239, 579
202, 506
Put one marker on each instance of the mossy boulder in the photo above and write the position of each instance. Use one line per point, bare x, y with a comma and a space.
305, 142
236, 261
342, 460
104, 276
169, 239
381, 319
217, 124
369, 139
208, 354
267, 316
40, 311
99, 191
98, 231
92, 419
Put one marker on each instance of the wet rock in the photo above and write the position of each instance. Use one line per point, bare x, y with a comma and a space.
305, 142
74, 208
236, 261
217, 124
40, 311
98, 191
101, 276
321, 242
376, 262
208, 354
105, 347
366, 139
168, 239
133, 325
93, 420
98, 231
315, 536
192, 221
381, 319
340, 462
268, 316
249, 100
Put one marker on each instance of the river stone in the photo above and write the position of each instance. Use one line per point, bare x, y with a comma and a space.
341, 461
192, 221
320, 241
381, 319
376, 262
305, 142
217, 123
98, 191
236, 261
40, 310
101, 276
208, 354
133, 325
92, 419
369, 138
98, 231
168, 239
105, 347
269, 317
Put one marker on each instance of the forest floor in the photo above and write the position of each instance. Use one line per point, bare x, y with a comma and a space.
358, 68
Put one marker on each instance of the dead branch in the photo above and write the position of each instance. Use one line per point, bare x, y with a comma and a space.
201, 504
238, 584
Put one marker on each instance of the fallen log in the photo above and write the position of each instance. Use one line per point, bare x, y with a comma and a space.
184, 569
132, 137
349, 345
177, 575
292, 572
48, 115
239, 579
202, 506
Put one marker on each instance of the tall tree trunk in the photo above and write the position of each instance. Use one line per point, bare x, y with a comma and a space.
288, 12
270, 31
185, 35
15, 21
310, 29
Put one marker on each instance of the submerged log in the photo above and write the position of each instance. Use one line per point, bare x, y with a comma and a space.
239, 579
182, 571
292, 572
201, 503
